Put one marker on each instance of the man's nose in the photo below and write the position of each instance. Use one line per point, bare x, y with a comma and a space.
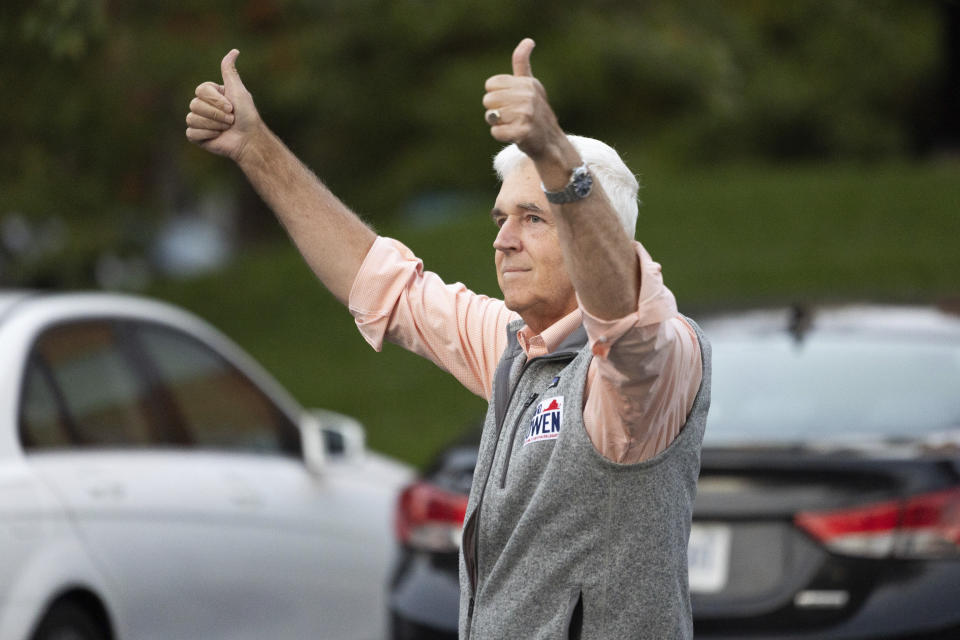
508, 237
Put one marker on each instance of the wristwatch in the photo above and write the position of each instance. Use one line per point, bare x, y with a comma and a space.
581, 182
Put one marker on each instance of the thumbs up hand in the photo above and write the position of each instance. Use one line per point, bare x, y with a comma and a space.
517, 106
222, 117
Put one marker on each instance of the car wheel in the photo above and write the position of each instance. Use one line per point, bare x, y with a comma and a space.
69, 621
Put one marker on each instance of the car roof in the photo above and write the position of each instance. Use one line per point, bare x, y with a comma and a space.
850, 319
10, 298
39, 308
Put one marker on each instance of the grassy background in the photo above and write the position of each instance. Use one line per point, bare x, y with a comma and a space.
731, 237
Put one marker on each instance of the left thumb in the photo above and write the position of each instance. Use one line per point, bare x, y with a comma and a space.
521, 58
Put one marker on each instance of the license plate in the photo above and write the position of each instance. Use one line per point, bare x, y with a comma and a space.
708, 557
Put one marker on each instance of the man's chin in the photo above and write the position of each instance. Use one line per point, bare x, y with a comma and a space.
512, 303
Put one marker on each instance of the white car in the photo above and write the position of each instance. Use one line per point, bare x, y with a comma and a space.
156, 483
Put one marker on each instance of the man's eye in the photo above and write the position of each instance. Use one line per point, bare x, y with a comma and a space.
499, 222
533, 218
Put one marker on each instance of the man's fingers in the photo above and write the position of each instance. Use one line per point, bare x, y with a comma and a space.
516, 96
200, 135
212, 94
521, 58
213, 112
507, 132
197, 121
500, 81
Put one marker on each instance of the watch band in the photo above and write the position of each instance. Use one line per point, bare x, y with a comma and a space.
579, 187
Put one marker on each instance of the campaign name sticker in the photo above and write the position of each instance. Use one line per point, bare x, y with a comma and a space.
546, 421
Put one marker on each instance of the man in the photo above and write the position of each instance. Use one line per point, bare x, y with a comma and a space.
580, 510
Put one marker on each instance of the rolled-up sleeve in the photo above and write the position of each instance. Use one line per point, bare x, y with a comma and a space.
393, 298
645, 374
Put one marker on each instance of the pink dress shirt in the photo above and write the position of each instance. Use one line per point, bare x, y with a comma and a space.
641, 382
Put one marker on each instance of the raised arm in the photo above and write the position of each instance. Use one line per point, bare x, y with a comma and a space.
598, 255
331, 238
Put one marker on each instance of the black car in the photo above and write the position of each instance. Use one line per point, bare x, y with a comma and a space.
829, 497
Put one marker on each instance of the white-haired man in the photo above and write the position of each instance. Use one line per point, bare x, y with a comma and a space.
580, 509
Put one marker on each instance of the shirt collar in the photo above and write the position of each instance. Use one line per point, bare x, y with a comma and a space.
540, 345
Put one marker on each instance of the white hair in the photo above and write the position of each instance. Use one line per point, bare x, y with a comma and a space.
605, 164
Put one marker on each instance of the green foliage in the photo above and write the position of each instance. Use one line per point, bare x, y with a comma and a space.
736, 236
382, 99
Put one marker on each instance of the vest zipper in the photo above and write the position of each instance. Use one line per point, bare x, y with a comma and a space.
474, 574
513, 436
469, 624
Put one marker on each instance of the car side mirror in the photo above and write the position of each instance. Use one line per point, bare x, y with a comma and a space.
330, 436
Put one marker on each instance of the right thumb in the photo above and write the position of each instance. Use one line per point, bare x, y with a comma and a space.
228, 67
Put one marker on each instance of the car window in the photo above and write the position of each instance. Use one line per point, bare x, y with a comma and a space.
103, 401
221, 407
42, 423
832, 387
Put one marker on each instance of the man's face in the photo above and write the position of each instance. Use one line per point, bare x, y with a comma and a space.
529, 261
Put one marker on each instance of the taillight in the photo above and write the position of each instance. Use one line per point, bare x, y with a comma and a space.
430, 519
923, 526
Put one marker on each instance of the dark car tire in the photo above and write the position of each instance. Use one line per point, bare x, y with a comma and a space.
69, 621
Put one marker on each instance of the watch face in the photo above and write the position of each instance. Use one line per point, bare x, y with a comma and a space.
582, 183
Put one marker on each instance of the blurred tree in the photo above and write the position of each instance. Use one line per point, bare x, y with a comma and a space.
382, 99
941, 130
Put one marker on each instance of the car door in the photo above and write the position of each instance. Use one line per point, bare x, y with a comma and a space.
186, 484
315, 549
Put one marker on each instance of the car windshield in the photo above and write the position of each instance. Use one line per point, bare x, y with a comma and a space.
774, 389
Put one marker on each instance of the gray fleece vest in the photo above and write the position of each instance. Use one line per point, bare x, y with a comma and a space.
560, 542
